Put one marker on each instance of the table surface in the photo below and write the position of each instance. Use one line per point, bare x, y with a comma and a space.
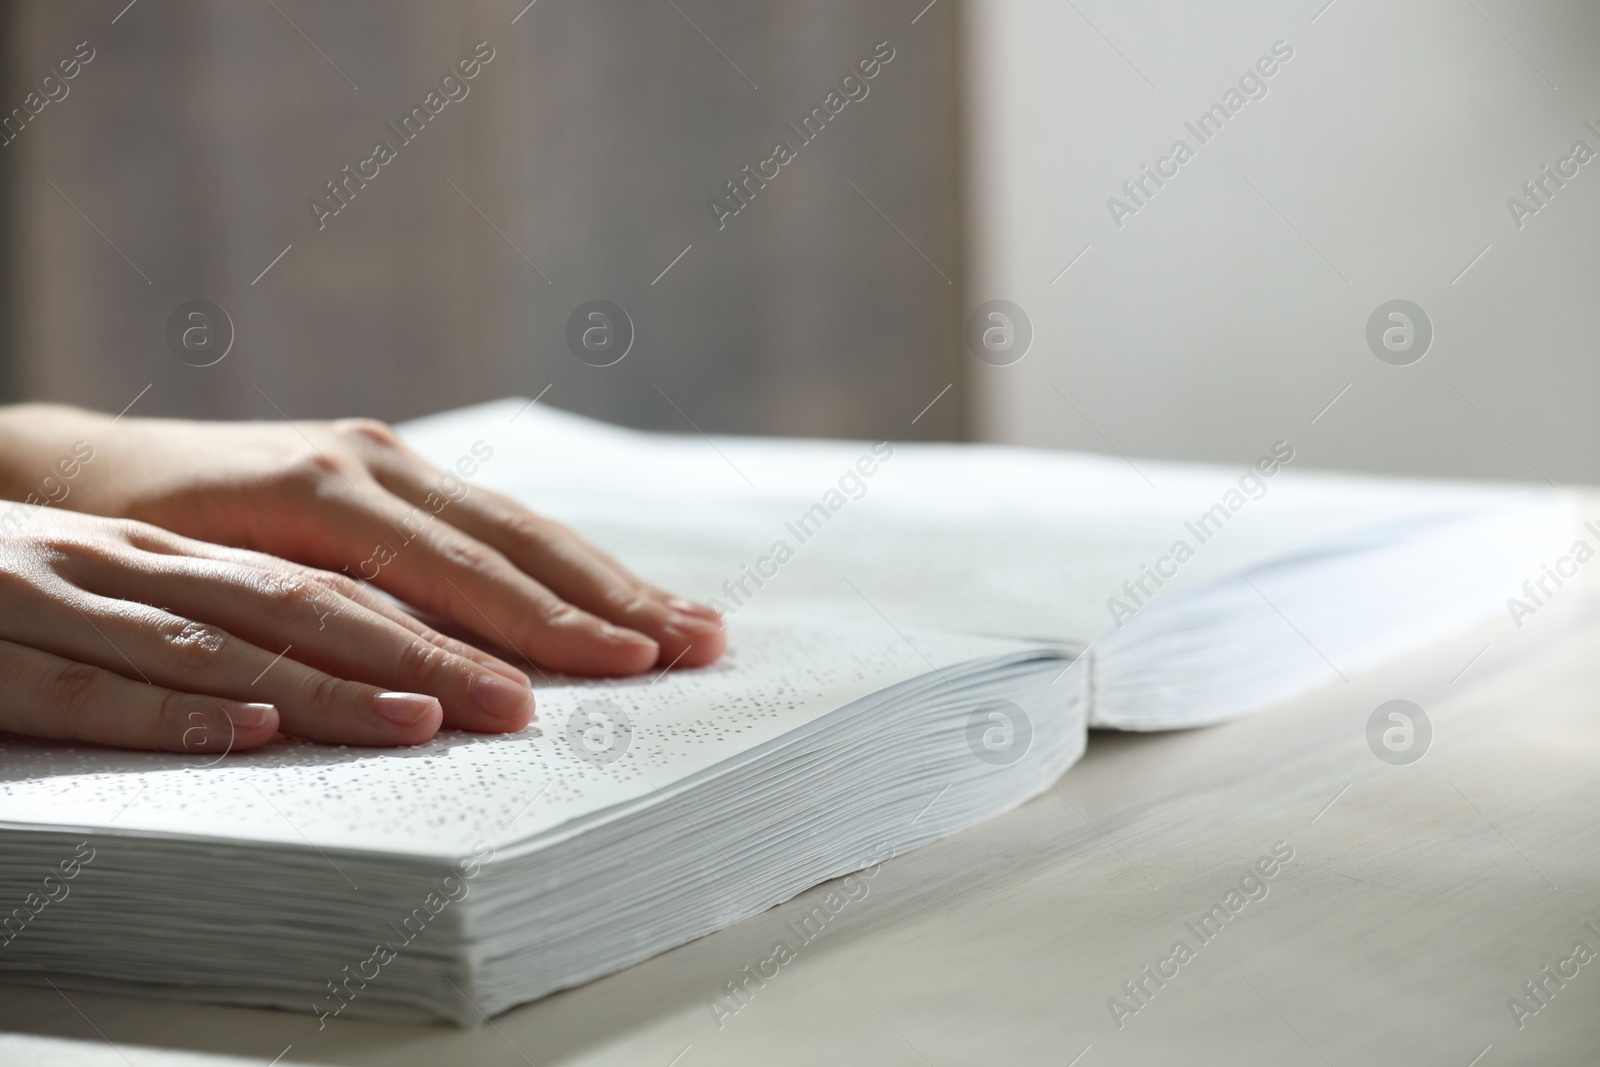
1419, 900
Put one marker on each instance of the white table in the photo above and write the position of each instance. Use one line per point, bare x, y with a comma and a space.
1419, 899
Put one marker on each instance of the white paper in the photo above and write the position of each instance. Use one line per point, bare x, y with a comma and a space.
439, 798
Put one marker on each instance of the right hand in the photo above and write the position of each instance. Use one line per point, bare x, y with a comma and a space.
121, 633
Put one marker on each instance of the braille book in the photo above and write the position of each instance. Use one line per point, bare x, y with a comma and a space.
920, 638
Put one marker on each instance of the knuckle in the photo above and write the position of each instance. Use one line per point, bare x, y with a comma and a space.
59, 552
558, 614
460, 649
370, 431
326, 693
633, 602
525, 525
287, 597
423, 663
310, 470
319, 582
74, 691
466, 553
170, 715
341, 585
195, 645
141, 535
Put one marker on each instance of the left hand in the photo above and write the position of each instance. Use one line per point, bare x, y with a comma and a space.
349, 496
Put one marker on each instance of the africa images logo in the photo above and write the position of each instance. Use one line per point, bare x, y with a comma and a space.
200, 333
600, 333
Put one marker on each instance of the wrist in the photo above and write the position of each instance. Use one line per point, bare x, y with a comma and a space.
43, 450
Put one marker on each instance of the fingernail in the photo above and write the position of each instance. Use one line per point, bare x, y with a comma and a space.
624, 637
689, 607
694, 624
404, 709
498, 696
248, 716
505, 670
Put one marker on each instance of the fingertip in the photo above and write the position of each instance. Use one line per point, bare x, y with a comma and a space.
253, 724
690, 607
502, 724
591, 647
515, 722
415, 717
708, 649
428, 725
243, 741
628, 651
238, 727
697, 650
692, 639
499, 705
251, 717
424, 729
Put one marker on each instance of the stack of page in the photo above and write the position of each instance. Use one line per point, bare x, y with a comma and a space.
920, 637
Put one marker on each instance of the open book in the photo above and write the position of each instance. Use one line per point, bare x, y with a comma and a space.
920, 636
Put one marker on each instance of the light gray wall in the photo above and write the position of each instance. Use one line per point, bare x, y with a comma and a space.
1232, 308
592, 142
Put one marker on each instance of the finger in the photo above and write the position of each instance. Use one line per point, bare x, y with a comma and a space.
444, 571
689, 635
328, 632
569, 565
579, 573
48, 696
164, 649
334, 586
380, 604
677, 603
490, 515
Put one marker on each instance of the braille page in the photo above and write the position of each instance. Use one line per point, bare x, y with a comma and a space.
971, 538
631, 738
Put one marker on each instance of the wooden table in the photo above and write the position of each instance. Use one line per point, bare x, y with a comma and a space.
1419, 900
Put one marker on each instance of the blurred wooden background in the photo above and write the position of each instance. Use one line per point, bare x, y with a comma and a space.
592, 142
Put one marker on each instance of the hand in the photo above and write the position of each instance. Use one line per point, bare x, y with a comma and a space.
350, 497
120, 633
